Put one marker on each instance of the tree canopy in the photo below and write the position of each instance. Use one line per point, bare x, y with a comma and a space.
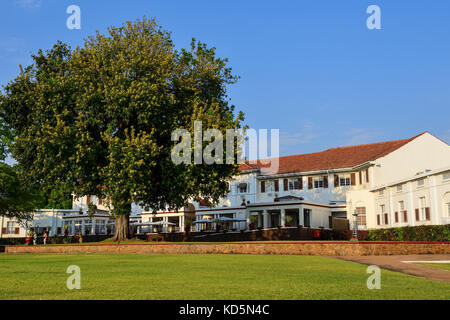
99, 118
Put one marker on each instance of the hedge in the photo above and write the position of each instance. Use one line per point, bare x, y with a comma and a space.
419, 233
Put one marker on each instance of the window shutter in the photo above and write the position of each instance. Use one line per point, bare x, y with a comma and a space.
353, 179
16, 230
325, 182
367, 175
263, 186
336, 180
285, 184
396, 217
3, 230
100, 201
310, 182
360, 177
300, 183
417, 215
427, 213
277, 185
405, 216
378, 219
386, 220
88, 199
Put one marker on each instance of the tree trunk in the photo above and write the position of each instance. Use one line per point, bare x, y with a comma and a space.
122, 230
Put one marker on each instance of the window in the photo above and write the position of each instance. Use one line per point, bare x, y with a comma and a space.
381, 215
401, 206
88, 226
10, 227
448, 209
420, 183
100, 226
344, 180
77, 226
361, 218
446, 176
242, 188
384, 215
318, 182
399, 188
422, 208
293, 184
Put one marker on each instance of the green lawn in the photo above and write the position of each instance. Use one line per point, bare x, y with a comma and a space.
130, 276
443, 266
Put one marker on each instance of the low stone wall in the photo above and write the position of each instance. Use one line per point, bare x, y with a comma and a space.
263, 248
275, 234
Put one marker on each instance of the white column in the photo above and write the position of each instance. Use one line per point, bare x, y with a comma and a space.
165, 227
180, 222
248, 219
265, 219
283, 217
434, 206
392, 208
300, 217
411, 211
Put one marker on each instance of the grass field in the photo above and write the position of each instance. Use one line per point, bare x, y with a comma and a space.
443, 266
195, 277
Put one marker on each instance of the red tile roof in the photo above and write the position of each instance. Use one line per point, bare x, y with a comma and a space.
335, 158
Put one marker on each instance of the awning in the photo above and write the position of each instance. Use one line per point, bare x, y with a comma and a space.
203, 221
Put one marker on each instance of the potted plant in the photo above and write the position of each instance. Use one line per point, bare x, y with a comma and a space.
253, 221
29, 238
288, 221
187, 225
218, 226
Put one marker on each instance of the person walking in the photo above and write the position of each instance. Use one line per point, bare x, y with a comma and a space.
45, 237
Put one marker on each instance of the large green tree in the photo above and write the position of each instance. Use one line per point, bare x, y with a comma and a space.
100, 118
17, 200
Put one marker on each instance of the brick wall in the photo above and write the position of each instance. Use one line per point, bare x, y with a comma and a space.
269, 248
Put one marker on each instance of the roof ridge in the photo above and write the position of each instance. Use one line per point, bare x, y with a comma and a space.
375, 153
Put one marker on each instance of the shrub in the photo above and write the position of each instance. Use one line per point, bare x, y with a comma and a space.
439, 233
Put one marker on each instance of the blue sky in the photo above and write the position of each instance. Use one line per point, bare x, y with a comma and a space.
309, 68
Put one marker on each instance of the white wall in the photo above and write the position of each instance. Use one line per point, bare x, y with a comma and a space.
424, 152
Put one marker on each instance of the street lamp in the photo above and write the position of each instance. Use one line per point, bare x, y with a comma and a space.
355, 227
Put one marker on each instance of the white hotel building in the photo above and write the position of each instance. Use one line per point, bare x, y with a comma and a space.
389, 184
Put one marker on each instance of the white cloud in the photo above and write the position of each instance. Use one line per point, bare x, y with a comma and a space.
12, 45
29, 4
307, 133
356, 136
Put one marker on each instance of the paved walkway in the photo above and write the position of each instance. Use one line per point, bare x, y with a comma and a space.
395, 263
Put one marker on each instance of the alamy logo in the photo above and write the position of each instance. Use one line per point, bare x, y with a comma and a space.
74, 20
236, 141
374, 281
74, 280
374, 20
